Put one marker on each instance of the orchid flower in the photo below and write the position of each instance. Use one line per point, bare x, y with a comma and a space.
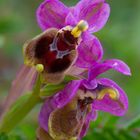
68, 113
94, 12
54, 18
67, 46
56, 48
64, 26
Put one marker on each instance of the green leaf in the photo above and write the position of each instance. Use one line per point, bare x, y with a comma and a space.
9, 24
94, 134
69, 78
135, 123
3, 136
28, 130
51, 89
11, 137
126, 135
111, 122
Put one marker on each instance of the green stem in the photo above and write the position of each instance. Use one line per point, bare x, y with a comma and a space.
51, 89
26, 103
21, 109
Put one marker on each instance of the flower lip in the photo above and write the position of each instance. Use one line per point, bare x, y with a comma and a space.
69, 41
55, 50
85, 98
71, 116
85, 101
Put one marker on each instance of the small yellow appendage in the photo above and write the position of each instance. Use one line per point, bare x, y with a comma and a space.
113, 94
79, 28
39, 68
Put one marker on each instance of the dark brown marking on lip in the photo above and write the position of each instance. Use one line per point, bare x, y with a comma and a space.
86, 101
42, 46
60, 64
55, 52
55, 49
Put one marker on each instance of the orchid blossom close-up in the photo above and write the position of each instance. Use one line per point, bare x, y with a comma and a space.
61, 78
68, 113
60, 49
68, 33
94, 12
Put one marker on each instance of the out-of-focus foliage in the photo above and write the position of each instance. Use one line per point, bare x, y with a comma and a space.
120, 39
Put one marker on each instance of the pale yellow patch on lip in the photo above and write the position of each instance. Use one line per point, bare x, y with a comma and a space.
82, 95
113, 93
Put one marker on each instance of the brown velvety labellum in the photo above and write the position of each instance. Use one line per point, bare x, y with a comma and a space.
68, 121
55, 49
56, 52
43, 135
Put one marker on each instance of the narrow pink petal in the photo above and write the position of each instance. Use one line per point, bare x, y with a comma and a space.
51, 13
119, 66
23, 82
89, 52
85, 127
90, 84
115, 64
90, 117
109, 105
70, 19
95, 12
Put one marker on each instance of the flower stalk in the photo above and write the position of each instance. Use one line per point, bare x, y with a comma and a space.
21, 108
26, 103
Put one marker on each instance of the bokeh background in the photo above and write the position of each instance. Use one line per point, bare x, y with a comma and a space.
120, 39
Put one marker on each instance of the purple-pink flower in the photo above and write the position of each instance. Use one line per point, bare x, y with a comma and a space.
81, 99
53, 13
67, 40
68, 47
67, 34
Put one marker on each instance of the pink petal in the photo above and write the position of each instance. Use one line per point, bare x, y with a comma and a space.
70, 20
115, 64
95, 12
89, 52
90, 117
119, 66
51, 13
23, 82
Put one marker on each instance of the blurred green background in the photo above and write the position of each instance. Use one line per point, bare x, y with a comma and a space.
120, 38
